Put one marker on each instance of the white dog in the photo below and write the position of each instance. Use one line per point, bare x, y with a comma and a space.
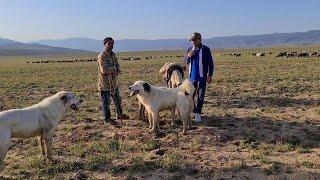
156, 99
38, 120
173, 75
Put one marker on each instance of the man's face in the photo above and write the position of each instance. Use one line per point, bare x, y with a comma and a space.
109, 45
196, 42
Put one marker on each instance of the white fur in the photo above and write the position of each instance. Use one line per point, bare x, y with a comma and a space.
163, 98
38, 120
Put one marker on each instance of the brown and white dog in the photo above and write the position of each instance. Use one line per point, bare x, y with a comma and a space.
39, 120
156, 99
173, 73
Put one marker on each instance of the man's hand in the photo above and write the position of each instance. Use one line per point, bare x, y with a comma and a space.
112, 71
191, 53
209, 79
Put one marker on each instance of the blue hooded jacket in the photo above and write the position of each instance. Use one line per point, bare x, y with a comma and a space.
207, 61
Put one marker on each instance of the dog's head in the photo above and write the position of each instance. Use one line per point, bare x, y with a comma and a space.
69, 99
139, 87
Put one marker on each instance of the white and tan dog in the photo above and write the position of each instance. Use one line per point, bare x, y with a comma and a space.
38, 120
156, 99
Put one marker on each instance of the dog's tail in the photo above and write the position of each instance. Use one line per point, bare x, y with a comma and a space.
187, 87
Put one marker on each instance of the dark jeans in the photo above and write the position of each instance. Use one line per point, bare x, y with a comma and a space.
105, 98
200, 92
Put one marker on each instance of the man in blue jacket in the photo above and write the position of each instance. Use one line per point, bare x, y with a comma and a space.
201, 67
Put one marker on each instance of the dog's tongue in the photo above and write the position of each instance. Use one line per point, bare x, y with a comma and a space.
131, 94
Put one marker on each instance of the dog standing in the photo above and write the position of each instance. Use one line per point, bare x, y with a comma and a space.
39, 120
156, 99
173, 74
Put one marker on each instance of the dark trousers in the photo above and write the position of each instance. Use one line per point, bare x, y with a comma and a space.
200, 92
105, 98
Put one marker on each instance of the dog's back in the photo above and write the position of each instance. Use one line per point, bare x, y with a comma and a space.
187, 87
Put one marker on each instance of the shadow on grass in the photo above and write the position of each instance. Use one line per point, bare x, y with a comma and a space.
263, 102
147, 170
255, 102
263, 129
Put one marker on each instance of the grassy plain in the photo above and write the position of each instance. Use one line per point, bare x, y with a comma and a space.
261, 121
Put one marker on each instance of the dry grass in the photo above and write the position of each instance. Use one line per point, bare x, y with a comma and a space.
261, 120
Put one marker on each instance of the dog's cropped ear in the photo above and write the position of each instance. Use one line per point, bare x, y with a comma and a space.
64, 97
146, 87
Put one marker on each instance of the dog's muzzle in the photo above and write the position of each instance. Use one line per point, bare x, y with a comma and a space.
74, 107
132, 93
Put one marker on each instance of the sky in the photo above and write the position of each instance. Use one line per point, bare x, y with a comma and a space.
31, 20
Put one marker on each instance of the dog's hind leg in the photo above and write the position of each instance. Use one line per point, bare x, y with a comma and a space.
188, 122
173, 115
4, 146
184, 119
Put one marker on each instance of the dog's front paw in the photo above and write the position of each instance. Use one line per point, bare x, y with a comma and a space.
152, 130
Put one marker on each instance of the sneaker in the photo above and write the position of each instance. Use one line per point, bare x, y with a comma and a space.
197, 117
123, 116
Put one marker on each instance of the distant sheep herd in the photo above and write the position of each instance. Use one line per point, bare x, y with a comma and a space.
287, 54
63, 61
298, 54
95, 59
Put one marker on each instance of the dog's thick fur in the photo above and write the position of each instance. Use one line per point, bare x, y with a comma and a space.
156, 99
38, 120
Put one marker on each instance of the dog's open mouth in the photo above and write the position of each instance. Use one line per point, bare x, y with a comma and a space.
74, 107
132, 93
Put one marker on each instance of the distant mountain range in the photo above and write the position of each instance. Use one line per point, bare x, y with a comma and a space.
120, 45
87, 45
9, 48
248, 41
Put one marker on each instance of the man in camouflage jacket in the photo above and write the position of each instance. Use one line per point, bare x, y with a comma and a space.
108, 83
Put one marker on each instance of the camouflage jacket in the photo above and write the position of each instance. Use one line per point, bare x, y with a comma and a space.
108, 68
